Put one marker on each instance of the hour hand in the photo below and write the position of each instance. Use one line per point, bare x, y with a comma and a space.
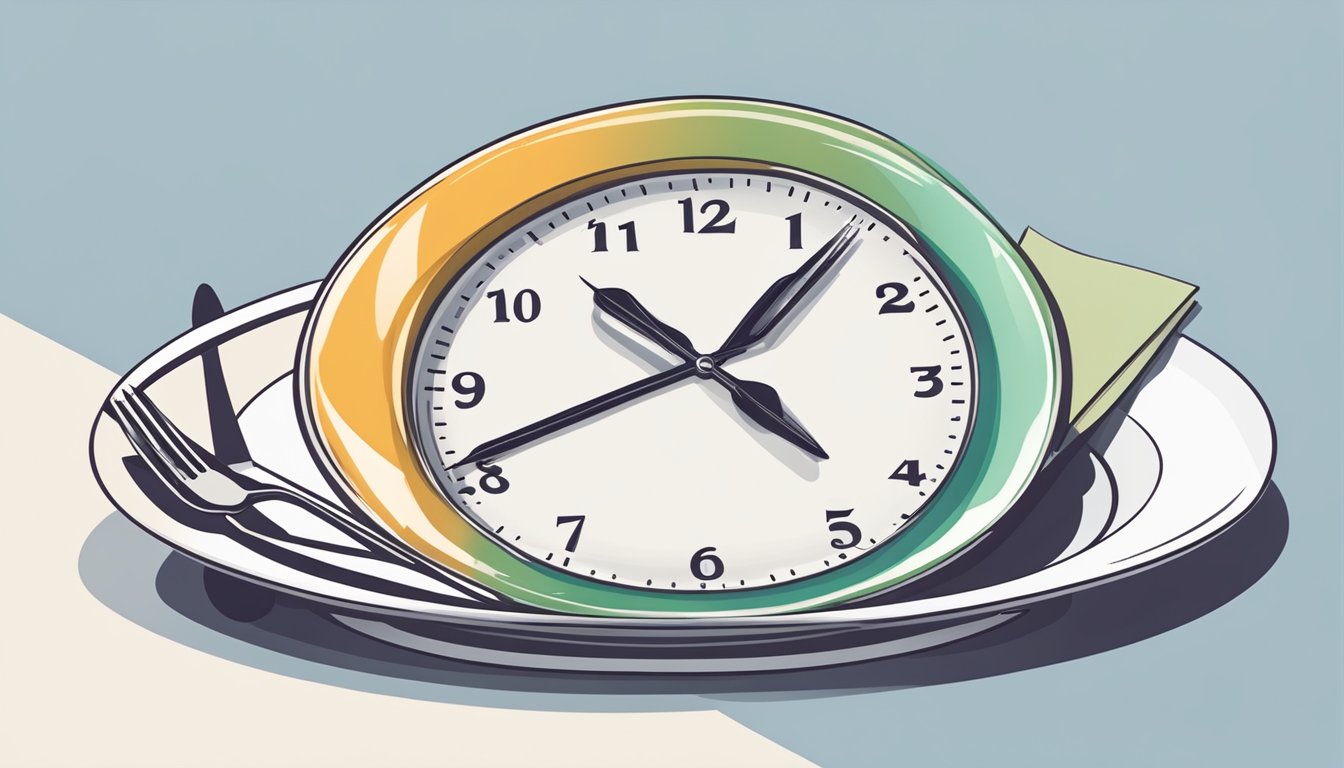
760, 402
622, 305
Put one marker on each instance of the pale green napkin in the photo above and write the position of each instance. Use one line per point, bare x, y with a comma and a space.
1116, 318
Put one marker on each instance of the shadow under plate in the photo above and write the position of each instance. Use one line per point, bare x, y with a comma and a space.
145, 582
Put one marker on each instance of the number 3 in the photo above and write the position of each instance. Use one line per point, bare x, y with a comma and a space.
928, 374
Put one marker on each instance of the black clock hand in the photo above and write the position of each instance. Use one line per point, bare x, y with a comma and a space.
623, 306
757, 401
516, 439
772, 307
760, 402
780, 299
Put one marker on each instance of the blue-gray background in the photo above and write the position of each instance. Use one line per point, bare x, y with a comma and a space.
149, 146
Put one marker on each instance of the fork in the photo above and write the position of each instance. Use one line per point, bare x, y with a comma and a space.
205, 483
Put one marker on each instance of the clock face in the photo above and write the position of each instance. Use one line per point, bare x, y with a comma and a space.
687, 482
683, 358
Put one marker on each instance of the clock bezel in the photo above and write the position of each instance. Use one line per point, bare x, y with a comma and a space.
357, 343
634, 175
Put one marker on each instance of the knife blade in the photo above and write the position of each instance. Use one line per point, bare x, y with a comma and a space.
227, 436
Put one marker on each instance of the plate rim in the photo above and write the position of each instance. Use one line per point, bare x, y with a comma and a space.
296, 299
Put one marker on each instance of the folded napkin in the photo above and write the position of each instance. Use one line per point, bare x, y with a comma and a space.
1116, 319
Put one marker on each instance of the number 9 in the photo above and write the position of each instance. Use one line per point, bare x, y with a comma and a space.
470, 384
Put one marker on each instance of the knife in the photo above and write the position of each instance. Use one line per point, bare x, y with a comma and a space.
237, 599
224, 430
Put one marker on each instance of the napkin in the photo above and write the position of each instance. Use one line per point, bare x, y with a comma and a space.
1116, 319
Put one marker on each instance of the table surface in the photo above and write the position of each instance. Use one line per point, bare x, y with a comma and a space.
88, 687
152, 146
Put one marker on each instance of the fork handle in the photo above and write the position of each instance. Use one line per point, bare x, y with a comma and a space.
378, 541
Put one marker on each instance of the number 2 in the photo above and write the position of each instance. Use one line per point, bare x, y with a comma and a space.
894, 305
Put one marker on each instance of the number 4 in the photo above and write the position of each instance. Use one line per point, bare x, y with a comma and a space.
909, 472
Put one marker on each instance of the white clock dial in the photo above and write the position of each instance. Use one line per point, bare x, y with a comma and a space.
680, 489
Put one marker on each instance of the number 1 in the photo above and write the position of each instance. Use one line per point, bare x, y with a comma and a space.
795, 231
600, 235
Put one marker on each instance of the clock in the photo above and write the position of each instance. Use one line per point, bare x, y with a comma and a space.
684, 358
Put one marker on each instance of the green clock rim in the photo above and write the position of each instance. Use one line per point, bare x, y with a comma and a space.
1007, 311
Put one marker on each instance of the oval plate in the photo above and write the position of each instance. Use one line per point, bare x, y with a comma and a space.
1189, 455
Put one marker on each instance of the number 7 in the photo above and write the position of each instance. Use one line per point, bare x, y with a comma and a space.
573, 536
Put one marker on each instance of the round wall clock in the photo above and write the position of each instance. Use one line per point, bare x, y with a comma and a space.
684, 357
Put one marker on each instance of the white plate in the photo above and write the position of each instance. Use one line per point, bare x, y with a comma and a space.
1184, 458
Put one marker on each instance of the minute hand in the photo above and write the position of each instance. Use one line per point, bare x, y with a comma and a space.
784, 295
569, 417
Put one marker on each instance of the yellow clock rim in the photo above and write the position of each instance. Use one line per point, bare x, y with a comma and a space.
357, 343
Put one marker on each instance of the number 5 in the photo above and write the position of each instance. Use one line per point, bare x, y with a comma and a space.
839, 525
